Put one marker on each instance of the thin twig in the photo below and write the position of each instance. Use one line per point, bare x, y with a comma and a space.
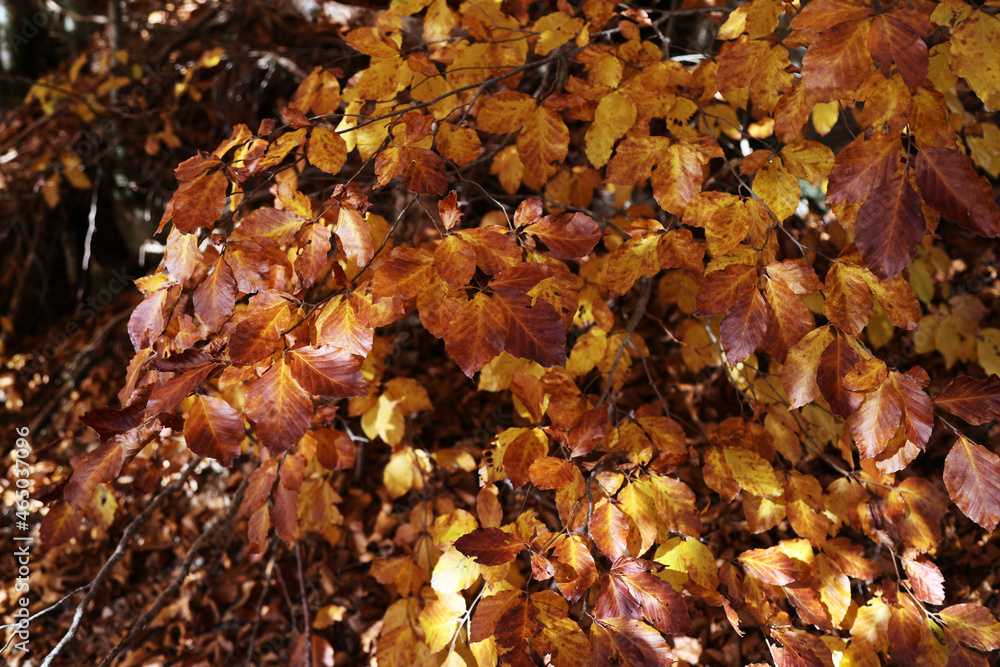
222, 522
305, 604
268, 569
116, 556
637, 314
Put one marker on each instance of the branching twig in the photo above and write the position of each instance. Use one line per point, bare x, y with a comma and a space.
116, 556
221, 523
268, 569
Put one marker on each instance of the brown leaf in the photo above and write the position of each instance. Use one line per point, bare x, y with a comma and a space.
277, 407
890, 227
567, 236
327, 371
637, 643
743, 329
925, 578
800, 371
837, 360
863, 166
849, 301
975, 401
476, 334
948, 182
214, 429
972, 477
490, 546
536, 332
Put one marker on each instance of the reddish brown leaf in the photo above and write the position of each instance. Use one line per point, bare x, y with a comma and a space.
743, 329
489, 611
490, 546
660, 603
327, 371
59, 525
176, 389
278, 408
975, 401
536, 332
895, 37
214, 429
972, 476
104, 463
637, 643
476, 335
890, 227
918, 413
864, 165
925, 578
837, 360
567, 236
948, 182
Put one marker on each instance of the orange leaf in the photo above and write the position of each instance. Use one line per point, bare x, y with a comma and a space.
214, 429
505, 112
609, 529
521, 453
543, 141
326, 150
769, 565
278, 408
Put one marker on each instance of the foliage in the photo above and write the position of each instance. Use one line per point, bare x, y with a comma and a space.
702, 311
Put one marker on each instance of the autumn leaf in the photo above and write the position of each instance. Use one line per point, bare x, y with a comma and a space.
769, 565
490, 546
214, 429
975, 401
972, 476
